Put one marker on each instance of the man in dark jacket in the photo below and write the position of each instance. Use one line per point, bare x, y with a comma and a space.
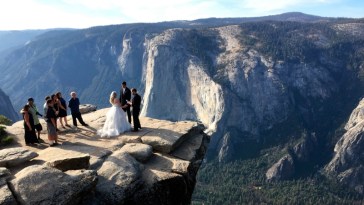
125, 96
74, 105
135, 103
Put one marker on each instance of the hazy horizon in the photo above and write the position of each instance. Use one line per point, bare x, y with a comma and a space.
48, 14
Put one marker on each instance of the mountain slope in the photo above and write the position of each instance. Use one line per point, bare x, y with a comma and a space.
6, 108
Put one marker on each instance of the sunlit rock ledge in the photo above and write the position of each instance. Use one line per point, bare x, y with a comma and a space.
157, 165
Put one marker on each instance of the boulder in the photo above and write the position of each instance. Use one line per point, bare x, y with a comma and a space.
15, 156
4, 174
119, 178
168, 163
189, 149
6, 197
75, 150
86, 108
71, 163
45, 185
169, 136
282, 170
139, 151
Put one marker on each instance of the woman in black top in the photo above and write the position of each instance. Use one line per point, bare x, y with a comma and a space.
29, 128
56, 106
62, 110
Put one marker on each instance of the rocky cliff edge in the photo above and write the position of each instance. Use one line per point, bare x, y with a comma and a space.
347, 164
157, 165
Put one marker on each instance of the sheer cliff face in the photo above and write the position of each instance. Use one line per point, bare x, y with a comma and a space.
176, 84
347, 165
236, 90
6, 108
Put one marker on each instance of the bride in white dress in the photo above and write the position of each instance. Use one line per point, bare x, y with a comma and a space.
116, 122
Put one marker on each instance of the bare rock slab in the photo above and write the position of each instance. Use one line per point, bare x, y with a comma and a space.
71, 163
86, 108
169, 164
119, 178
189, 149
45, 185
141, 152
75, 150
169, 135
15, 156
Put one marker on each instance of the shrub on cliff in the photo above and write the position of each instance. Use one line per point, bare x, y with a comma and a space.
5, 121
4, 137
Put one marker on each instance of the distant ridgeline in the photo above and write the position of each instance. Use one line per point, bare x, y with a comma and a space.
272, 89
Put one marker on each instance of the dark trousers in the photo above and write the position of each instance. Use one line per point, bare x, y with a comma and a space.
127, 110
79, 117
136, 119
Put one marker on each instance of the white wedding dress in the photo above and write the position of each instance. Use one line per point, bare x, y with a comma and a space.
116, 122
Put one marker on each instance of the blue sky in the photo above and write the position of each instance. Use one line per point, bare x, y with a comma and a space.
41, 14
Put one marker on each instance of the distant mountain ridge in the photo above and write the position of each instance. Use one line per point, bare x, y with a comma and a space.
12, 39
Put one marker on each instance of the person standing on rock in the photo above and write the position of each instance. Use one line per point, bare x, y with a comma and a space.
34, 112
62, 110
29, 128
56, 105
125, 96
135, 103
51, 123
45, 107
74, 105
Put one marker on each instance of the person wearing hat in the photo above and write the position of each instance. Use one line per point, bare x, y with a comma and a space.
34, 112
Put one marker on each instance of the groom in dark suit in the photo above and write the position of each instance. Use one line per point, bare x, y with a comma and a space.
125, 96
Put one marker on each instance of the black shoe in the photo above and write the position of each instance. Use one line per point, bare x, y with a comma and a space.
56, 143
86, 125
52, 145
57, 130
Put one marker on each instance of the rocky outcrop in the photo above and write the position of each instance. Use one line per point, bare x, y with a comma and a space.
347, 165
6, 197
44, 185
157, 165
70, 163
15, 156
86, 108
141, 152
6, 107
282, 170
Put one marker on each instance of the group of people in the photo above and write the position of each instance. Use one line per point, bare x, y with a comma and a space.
55, 107
118, 118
